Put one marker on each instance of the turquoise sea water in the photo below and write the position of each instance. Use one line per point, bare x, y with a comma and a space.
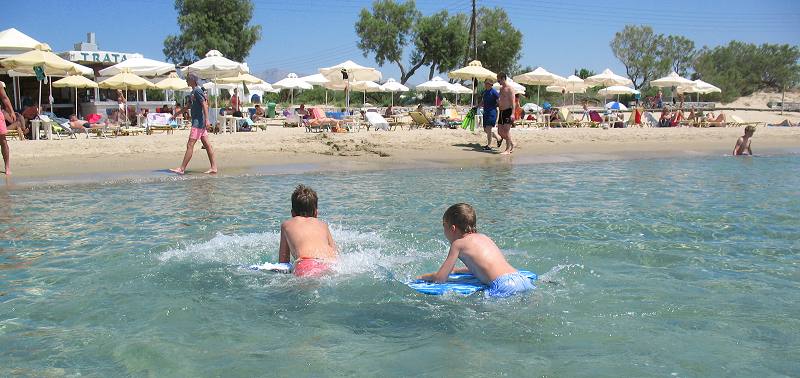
670, 267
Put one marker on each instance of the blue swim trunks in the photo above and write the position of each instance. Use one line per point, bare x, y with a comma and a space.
508, 285
489, 117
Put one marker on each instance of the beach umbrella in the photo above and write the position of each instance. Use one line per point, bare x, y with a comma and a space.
699, 87
365, 86
139, 66
673, 80
573, 84
292, 82
434, 85
263, 87
347, 72
518, 88
615, 105
41, 56
243, 78
393, 86
607, 78
319, 80
616, 90
215, 66
531, 108
537, 77
126, 80
473, 71
14, 42
75, 81
458, 89
172, 82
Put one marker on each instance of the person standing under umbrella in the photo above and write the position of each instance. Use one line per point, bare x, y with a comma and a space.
506, 103
200, 124
12, 117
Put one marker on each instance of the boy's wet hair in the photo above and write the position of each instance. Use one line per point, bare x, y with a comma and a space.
304, 201
461, 215
750, 129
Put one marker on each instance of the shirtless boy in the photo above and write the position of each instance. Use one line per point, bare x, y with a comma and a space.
743, 144
479, 254
306, 239
506, 104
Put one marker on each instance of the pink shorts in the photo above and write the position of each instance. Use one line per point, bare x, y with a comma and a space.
197, 133
3, 129
310, 268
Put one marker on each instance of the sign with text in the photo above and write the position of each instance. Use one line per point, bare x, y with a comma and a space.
104, 57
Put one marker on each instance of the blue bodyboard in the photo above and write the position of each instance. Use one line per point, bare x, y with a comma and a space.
459, 283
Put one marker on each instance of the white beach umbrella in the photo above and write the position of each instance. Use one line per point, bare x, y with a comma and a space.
699, 87
671, 80
436, 84
537, 77
392, 86
14, 42
349, 71
292, 82
215, 66
607, 78
518, 88
458, 89
263, 87
616, 90
139, 66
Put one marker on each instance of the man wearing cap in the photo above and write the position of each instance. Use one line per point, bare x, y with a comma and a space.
489, 102
200, 124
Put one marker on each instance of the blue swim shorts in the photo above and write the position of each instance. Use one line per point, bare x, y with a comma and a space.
489, 117
508, 285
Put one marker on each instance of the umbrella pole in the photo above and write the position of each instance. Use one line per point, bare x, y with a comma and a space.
77, 113
14, 84
326, 97
537, 94
40, 96
50, 92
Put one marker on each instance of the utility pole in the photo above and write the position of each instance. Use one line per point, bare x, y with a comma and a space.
473, 31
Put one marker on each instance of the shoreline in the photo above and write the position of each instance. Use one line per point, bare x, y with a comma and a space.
293, 151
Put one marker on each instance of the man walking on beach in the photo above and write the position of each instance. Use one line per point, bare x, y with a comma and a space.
200, 124
489, 103
506, 104
12, 117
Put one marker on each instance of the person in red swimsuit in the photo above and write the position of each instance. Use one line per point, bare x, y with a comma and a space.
306, 239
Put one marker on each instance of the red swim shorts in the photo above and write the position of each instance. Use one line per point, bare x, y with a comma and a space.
3, 129
197, 133
310, 268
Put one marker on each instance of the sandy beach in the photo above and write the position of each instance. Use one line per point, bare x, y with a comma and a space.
293, 147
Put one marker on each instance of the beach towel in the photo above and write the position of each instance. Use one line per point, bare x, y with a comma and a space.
93, 118
377, 121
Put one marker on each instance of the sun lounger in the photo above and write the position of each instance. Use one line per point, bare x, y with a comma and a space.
158, 122
420, 120
735, 121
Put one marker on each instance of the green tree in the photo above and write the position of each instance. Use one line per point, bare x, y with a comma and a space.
386, 31
583, 73
637, 47
212, 25
441, 39
740, 69
503, 42
678, 53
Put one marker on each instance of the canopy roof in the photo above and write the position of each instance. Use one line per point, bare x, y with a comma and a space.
13, 42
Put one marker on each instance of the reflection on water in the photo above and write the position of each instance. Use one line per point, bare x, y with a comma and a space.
680, 267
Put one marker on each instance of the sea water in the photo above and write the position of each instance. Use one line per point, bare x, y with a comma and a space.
669, 267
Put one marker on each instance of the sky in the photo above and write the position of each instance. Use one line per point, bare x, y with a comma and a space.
304, 35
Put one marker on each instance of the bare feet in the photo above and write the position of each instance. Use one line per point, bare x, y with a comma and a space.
507, 152
178, 171
8, 172
212, 171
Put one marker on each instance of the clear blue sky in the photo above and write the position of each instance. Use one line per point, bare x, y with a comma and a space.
302, 36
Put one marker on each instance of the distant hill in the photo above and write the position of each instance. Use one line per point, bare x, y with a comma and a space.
272, 75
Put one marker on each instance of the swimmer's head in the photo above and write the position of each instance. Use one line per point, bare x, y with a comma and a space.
304, 202
462, 216
750, 130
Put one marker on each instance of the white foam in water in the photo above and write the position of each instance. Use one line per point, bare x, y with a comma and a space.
551, 275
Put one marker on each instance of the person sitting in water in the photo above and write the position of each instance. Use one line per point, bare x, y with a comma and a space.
742, 146
306, 239
479, 253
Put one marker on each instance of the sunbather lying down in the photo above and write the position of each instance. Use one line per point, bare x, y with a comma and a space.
787, 123
318, 119
78, 125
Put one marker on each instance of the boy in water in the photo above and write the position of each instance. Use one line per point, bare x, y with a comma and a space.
479, 253
743, 144
306, 239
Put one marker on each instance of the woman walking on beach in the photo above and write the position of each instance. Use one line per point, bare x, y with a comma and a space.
200, 125
6, 104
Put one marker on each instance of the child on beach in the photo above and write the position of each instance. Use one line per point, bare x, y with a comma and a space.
743, 144
306, 239
479, 253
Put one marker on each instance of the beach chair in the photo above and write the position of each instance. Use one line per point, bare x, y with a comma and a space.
650, 119
566, 119
158, 122
292, 120
735, 121
420, 120
318, 121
